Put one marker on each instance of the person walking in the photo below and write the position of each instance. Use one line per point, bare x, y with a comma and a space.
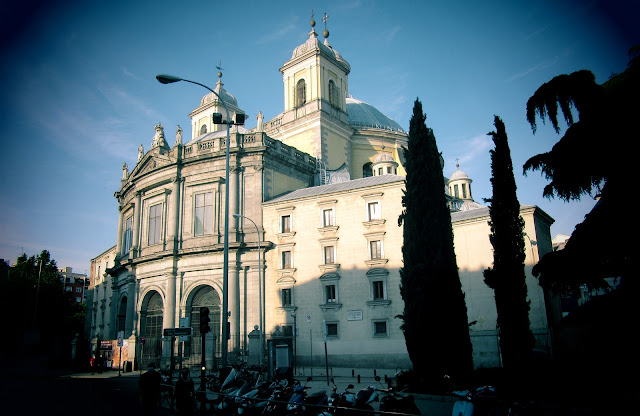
92, 362
150, 390
185, 393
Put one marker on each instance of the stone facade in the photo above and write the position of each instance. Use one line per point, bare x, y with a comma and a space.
317, 261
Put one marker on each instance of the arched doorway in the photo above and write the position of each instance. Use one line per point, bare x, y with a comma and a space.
208, 297
151, 320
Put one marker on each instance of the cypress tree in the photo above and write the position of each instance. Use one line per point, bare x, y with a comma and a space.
435, 314
507, 277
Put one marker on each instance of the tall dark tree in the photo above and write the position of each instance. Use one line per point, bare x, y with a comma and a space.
592, 158
507, 276
435, 322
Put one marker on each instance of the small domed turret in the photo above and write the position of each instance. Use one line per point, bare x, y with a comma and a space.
460, 185
384, 164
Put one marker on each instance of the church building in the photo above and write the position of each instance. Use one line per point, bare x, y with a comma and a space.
314, 249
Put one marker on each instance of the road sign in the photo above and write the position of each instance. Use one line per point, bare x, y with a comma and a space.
142, 340
120, 342
184, 323
173, 332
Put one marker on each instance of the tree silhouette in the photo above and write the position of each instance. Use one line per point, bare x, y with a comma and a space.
33, 295
592, 158
435, 314
507, 276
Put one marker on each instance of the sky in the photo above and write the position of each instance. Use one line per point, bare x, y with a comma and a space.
79, 93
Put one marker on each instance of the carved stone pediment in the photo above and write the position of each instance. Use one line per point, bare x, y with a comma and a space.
149, 163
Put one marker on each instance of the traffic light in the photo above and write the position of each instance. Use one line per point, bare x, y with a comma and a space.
240, 119
204, 320
217, 118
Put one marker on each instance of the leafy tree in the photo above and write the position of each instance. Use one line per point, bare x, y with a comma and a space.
435, 314
33, 295
507, 277
592, 158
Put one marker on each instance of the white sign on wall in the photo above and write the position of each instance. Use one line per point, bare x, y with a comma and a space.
354, 315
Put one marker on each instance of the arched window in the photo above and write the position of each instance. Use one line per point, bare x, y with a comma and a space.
206, 296
334, 94
122, 315
366, 170
152, 329
301, 93
203, 129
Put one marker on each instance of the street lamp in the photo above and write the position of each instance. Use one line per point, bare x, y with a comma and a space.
170, 79
260, 288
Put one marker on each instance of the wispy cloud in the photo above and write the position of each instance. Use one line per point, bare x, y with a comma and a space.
279, 32
390, 34
474, 147
537, 32
129, 73
537, 67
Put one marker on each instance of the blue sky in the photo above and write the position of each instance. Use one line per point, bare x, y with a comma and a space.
79, 92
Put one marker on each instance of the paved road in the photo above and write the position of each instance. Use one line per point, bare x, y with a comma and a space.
34, 391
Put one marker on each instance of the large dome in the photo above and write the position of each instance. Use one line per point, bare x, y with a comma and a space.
363, 115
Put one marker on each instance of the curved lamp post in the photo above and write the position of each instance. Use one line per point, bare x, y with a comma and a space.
260, 287
170, 79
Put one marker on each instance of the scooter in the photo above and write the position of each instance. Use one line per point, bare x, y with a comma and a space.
397, 402
339, 403
296, 401
469, 402
302, 403
364, 398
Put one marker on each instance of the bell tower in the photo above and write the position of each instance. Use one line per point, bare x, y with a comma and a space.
316, 86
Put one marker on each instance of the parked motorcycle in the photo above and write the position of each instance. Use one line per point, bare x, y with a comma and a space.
276, 404
339, 403
397, 402
305, 404
470, 403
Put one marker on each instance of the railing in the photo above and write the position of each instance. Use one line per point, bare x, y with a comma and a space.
247, 141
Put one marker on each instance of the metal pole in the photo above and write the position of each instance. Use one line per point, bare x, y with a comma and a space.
167, 79
35, 309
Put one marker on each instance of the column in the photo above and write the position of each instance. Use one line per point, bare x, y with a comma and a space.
234, 301
130, 323
173, 216
119, 238
137, 208
234, 173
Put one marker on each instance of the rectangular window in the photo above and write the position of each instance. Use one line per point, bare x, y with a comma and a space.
128, 235
330, 292
155, 224
78, 290
377, 287
327, 218
332, 329
375, 247
329, 255
286, 260
380, 328
286, 223
373, 209
464, 190
455, 191
287, 330
203, 219
286, 297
